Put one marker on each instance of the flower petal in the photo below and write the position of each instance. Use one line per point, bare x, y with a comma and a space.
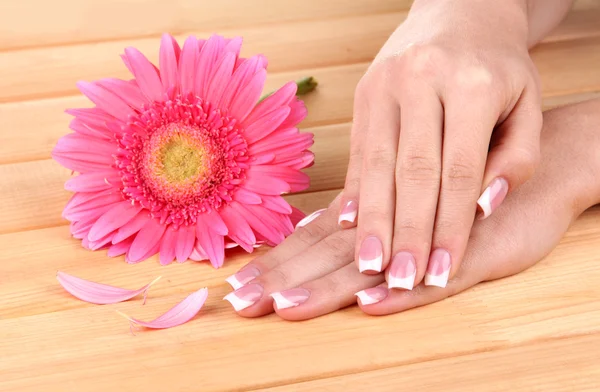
186, 237
148, 238
187, 65
179, 314
268, 231
265, 125
214, 222
120, 248
98, 293
218, 83
239, 229
145, 74
277, 204
168, 62
265, 185
132, 227
207, 62
114, 219
167, 246
240, 79
93, 182
243, 103
127, 91
212, 243
280, 98
246, 197
106, 100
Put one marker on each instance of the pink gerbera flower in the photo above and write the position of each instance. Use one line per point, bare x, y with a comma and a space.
181, 160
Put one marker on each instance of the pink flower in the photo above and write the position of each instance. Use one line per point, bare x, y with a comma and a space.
181, 160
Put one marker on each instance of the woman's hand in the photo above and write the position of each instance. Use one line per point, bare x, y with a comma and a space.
447, 117
312, 272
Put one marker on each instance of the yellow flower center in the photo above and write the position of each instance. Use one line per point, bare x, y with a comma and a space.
181, 160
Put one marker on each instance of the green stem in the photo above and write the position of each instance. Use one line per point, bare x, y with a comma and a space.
305, 86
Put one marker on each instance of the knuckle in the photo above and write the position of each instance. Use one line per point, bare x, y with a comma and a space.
339, 244
308, 233
374, 216
422, 61
474, 80
418, 168
380, 157
276, 278
461, 176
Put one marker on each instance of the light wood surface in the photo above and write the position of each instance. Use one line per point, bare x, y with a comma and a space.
516, 334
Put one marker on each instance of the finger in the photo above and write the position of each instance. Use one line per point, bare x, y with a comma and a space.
468, 126
328, 255
323, 295
312, 229
348, 210
377, 190
514, 153
418, 171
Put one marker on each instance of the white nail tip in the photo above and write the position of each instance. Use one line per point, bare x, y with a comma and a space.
365, 299
238, 303
348, 217
437, 280
370, 265
309, 218
282, 302
401, 283
232, 280
485, 202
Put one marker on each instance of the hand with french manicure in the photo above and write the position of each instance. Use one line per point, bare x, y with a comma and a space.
447, 122
312, 272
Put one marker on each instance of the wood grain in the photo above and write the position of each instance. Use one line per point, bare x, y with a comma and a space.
27, 23
538, 330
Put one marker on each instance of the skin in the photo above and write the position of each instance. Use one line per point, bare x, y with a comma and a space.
440, 114
319, 257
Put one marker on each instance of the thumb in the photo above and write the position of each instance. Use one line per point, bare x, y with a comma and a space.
514, 152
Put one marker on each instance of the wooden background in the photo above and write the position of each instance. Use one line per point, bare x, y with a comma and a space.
507, 335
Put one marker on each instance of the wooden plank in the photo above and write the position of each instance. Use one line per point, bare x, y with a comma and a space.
96, 351
53, 71
32, 194
548, 366
95, 20
566, 68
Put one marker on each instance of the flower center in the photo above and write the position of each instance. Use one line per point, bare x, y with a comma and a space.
181, 158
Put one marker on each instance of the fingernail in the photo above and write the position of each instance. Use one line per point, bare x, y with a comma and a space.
290, 298
402, 272
492, 196
309, 218
438, 268
349, 212
370, 255
242, 277
373, 295
245, 296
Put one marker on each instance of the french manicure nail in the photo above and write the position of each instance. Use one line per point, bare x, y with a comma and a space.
290, 298
245, 296
438, 268
492, 196
242, 277
370, 257
402, 272
373, 295
309, 218
349, 212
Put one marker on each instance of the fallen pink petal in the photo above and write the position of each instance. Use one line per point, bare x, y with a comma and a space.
98, 293
177, 315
